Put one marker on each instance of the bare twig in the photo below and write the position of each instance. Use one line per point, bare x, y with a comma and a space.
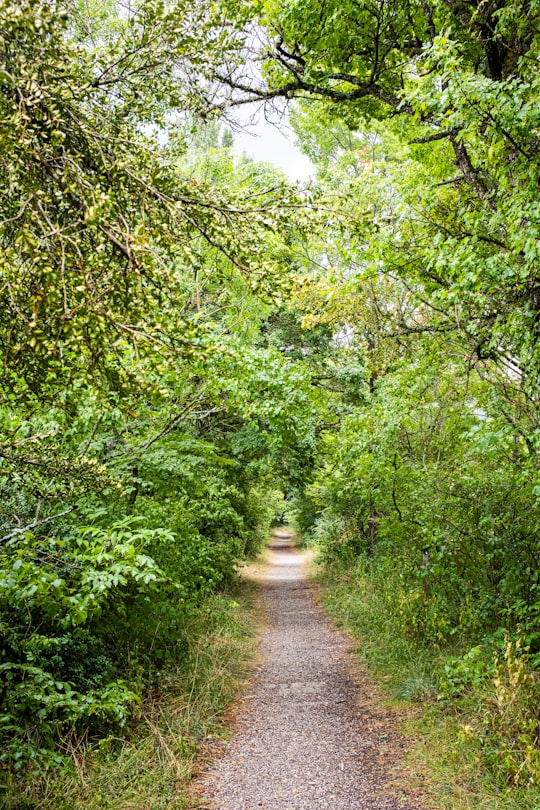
35, 524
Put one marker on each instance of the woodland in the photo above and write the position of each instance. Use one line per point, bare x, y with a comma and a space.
194, 347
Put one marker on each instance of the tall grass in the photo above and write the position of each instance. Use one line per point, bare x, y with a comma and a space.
473, 734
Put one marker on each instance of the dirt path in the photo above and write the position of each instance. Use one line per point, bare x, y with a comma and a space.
304, 742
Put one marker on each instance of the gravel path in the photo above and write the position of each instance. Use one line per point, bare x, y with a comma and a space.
304, 741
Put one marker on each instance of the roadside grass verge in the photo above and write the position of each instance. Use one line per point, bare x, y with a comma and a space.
472, 747
180, 723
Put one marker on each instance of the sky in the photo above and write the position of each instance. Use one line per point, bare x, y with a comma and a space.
272, 142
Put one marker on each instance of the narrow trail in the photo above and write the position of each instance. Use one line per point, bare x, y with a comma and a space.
304, 742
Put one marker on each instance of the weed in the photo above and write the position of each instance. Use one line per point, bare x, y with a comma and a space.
510, 742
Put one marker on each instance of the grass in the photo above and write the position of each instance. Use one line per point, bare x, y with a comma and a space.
444, 765
153, 768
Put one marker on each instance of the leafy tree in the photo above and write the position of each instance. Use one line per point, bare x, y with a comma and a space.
457, 84
141, 426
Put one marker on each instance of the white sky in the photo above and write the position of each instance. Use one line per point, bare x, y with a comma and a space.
271, 142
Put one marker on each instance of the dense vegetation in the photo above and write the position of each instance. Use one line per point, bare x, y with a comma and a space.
186, 340
143, 419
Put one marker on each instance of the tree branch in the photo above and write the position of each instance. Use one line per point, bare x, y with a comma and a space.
35, 524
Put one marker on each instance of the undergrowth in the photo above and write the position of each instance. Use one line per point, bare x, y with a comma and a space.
152, 768
476, 728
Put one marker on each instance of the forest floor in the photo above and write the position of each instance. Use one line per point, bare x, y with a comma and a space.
312, 731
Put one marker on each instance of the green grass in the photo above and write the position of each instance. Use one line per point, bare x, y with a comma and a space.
445, 764
152, 768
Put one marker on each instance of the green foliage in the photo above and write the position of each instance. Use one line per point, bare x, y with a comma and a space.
413, 479
150, 764
475, 708
425, 270
142, 425
126, 523
183, 337
53, 592
466, 673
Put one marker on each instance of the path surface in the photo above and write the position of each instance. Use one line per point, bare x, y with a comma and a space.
303, 743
